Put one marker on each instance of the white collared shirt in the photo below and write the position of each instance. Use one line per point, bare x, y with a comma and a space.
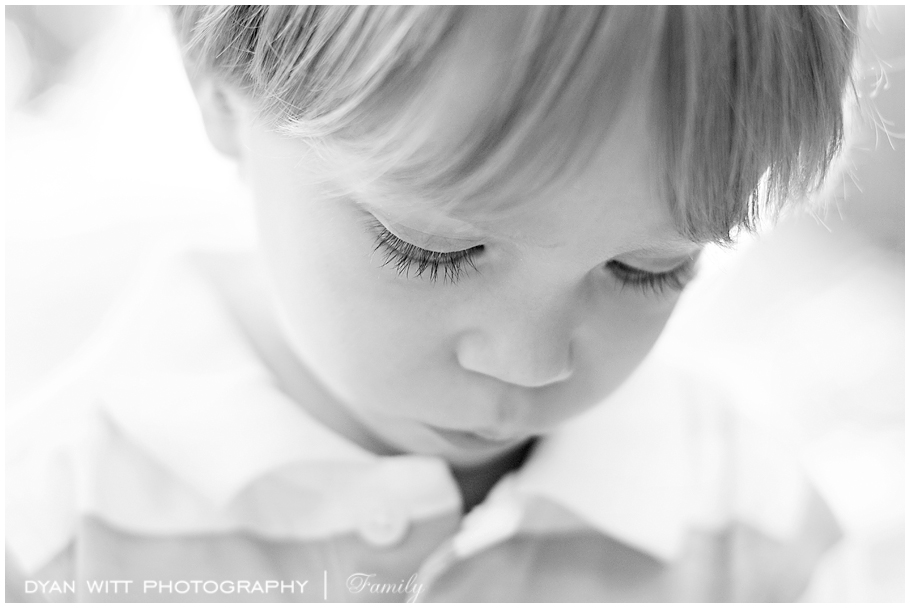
169, 426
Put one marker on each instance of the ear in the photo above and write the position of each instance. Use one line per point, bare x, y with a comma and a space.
221, 114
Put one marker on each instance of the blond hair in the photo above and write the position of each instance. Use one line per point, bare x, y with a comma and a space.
746, 102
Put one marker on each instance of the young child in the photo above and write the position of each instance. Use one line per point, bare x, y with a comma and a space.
474, 224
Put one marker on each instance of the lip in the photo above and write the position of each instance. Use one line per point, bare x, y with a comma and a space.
473, 440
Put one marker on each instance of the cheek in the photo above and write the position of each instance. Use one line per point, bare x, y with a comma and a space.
634, 323
617, 336
361, 330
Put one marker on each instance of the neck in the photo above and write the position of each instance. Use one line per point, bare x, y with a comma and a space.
476, 482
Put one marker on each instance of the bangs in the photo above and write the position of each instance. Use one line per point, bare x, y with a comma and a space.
751, 109
481, 105
509, 103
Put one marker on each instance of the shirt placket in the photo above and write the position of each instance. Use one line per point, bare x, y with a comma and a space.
486, 526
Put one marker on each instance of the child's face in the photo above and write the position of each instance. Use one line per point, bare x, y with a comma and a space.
569, 293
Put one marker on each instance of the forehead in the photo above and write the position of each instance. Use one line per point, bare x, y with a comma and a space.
613, 205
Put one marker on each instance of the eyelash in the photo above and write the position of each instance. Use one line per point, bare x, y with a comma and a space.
656, 283
451, 266
407, 258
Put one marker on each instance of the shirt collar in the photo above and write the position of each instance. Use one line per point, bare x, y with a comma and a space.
622, 467
208, 409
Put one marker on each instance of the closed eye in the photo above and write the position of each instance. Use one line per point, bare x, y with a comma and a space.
673, 280
413, 261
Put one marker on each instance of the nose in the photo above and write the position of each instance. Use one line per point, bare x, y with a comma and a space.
520, 351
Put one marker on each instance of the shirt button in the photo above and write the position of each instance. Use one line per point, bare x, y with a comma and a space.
384, 528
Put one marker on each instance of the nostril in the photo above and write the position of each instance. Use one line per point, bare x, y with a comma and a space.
526, 366
537, 380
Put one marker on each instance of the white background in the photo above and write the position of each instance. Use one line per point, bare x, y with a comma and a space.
105, 157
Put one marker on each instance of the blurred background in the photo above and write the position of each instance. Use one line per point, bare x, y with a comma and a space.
107, 163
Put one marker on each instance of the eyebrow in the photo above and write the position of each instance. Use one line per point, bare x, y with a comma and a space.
403, 223
677, 248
